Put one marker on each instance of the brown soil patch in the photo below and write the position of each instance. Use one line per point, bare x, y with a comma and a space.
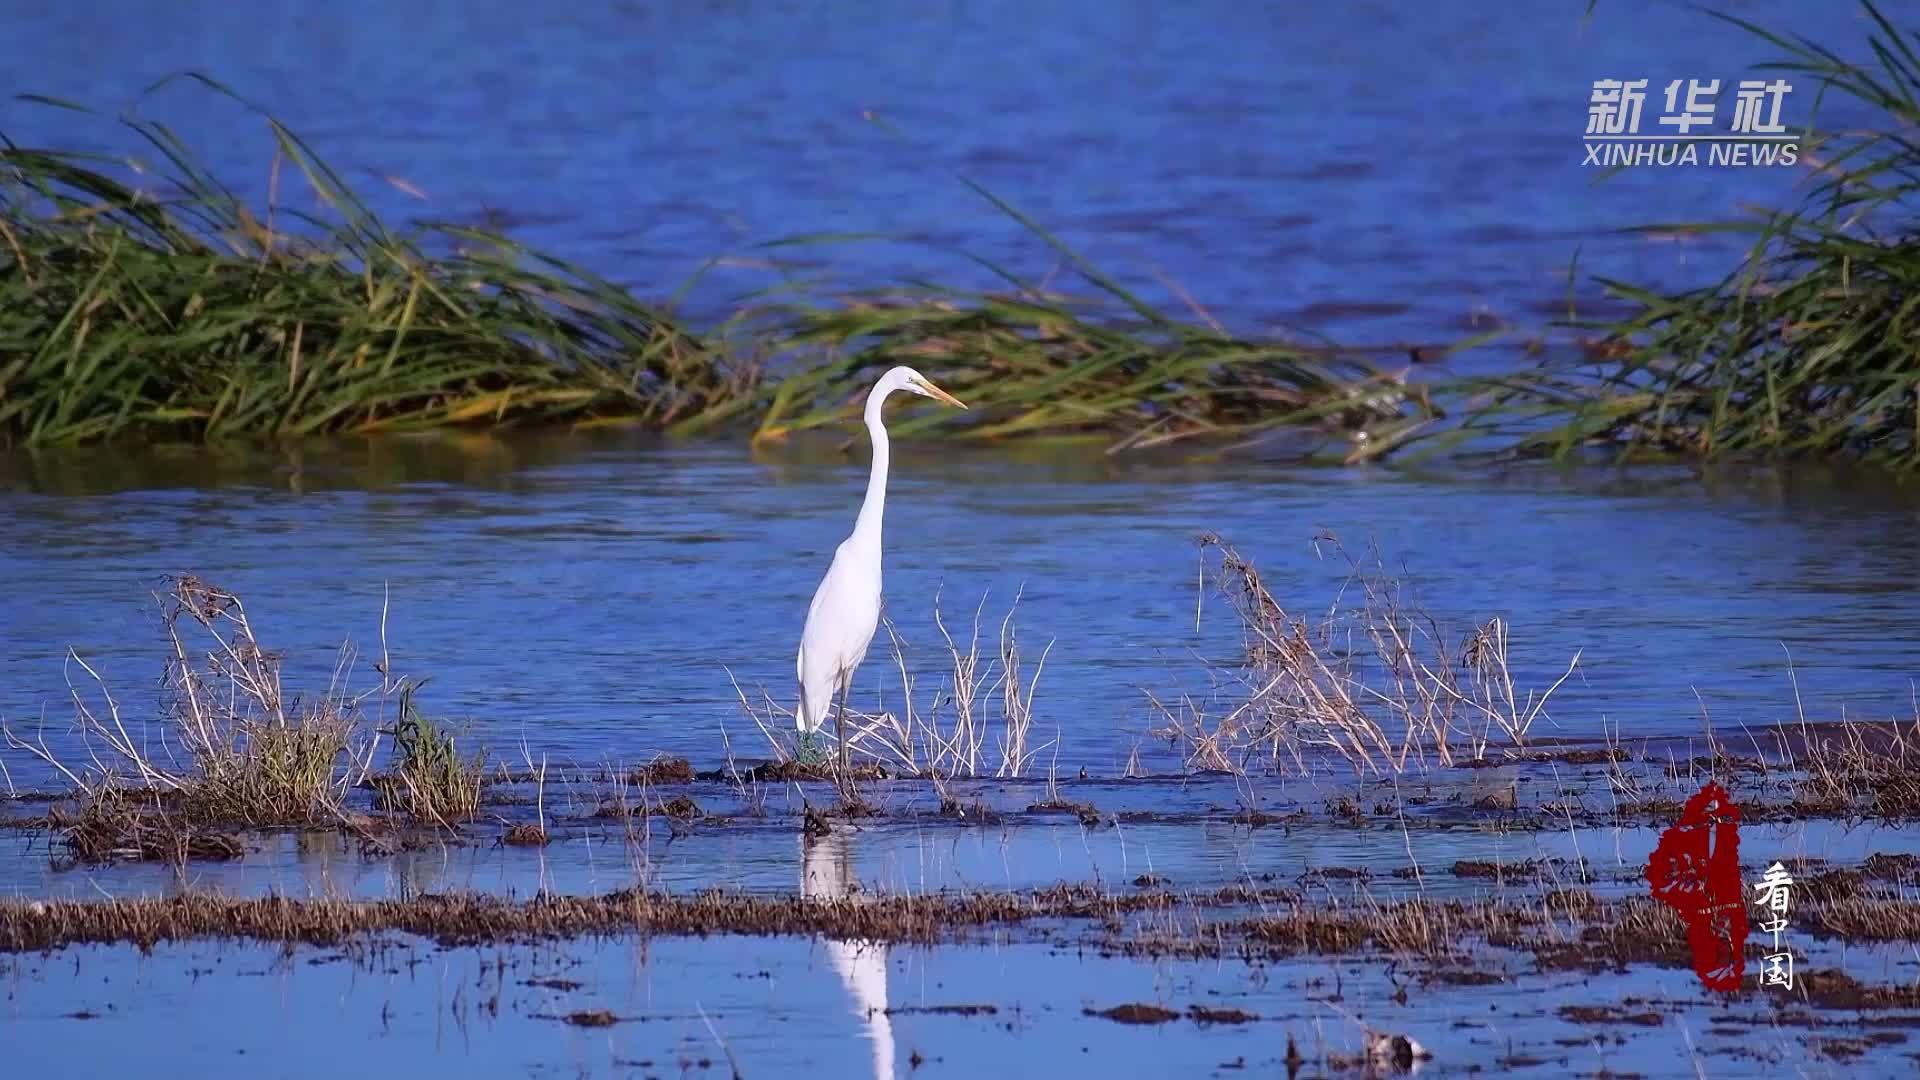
1086, 812
553, 984
1524, 870
1904, 868
680, 808
662, 771
1838, 990
1464, 978
1135, 1014
153, 830
780, 772
526, 834
1828, 885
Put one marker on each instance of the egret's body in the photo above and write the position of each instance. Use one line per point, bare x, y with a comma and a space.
846, 607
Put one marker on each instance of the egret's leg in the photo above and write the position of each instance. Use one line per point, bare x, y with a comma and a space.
840, 735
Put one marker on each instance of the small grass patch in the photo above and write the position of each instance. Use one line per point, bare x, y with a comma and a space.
238, 750
431, 779
241, 749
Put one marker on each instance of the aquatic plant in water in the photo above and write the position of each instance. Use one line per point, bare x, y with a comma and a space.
157, 302
1803, 350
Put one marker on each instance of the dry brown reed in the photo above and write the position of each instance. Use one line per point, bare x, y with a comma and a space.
947, 737
1377, 683
235, 748
1563, 930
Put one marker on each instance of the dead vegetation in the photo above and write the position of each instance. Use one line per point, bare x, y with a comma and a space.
1568, 930
1863, 767
1376, 685
975, 697
232, 748
1378, 682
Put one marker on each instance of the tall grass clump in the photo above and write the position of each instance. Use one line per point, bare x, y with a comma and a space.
1807, 348
151, 299
234, 746
1033, 362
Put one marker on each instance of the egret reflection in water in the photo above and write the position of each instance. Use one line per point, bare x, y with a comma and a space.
826, 871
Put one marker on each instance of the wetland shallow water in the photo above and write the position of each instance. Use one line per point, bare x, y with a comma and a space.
588, 595
731, 1006
592, 596
677, 1008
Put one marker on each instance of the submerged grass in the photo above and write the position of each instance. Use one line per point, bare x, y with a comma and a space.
156, 301
1562, 930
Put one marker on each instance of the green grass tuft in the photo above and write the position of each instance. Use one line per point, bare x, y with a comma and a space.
161, 305
430, 780
1807, 349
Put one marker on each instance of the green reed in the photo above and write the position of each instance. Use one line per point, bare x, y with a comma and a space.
1806, 348
172, 308
175, 308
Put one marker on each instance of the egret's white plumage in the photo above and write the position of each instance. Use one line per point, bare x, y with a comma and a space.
846, 607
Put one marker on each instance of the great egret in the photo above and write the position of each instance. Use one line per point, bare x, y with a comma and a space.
846, 607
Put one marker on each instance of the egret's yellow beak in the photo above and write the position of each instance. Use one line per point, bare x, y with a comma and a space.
941, 395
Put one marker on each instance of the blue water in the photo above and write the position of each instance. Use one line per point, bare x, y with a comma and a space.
919, 857
847, 1009
1380, 171
777, 1007
591, 595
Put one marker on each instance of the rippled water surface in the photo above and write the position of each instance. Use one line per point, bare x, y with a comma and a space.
1379, 171
1383, 171
683, 1008
591, 596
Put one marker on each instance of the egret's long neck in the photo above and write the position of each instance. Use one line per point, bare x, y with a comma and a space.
867, 526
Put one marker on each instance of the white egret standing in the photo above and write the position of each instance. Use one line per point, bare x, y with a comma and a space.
846, 607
